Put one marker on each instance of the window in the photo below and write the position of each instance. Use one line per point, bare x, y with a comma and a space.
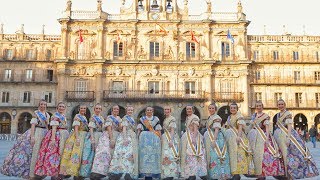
298, 99
7, 74
225, 50
48, 54
258, 75
295, 55
5, 97
50, 75
29, 54
190, 50
81, 88
117, 49
8, 53
277, 96
29, 74
48, 97
118, 87
258, 96
275, 55
317, 56
190, 87
154, 50
297, 75
255, 55
153, 87
226, 89
26, 97
317, 76
317, 99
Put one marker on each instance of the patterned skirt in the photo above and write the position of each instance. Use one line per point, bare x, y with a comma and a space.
17, 162
48, 163
170, 165
102, 156
87, 157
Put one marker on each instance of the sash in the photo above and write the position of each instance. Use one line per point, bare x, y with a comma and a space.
130, 119
305, 152
173, 148
98, 119
196, 151
83, 120
41, 115
221, 154
114, 120
146, 123
274, 150
60, 116
235, 132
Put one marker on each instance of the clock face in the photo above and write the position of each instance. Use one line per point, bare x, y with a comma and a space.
155, 16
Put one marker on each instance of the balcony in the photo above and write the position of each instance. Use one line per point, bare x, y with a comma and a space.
80, 96
227, 96
15, 101
277, 80
23, 78
290, 104
131, 95
287, 58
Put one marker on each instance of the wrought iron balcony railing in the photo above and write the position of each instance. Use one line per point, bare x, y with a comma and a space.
78, 96
227, 96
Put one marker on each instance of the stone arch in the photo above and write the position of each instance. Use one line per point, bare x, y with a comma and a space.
158, 111
24, 122
5, 123
317, 122
300, 121
76, 111
122, 111
224, 113
184, 116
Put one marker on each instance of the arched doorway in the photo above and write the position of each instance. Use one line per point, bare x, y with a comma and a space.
76, 111
224, 112
122, 111
157, 111
5, 123
24, 122
184, 115
300, 121
317, 122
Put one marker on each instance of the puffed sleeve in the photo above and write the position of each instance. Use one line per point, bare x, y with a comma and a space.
92, 125
140, 127
125, 123
34, 121
266, 122
241, 121
173, 124
216, 125
76, 122
54, 123
108, 122
158, 126
288, 119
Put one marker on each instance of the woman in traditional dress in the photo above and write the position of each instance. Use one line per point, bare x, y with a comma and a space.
125, 157
91, 140
216, 147
170, 147
48, 163
193, 161
105, 148
72, 155
297, 158
266, 154
237, 143
149, 133
21, 159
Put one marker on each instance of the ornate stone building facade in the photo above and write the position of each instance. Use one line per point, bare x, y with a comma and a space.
155, 54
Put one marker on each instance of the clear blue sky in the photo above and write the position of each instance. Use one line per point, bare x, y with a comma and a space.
272, 13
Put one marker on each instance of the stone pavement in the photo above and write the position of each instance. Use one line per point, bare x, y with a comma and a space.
5, 146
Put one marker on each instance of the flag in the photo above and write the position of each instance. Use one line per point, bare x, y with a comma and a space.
230, 37
119, 38
80, 36
161, 29
193, 37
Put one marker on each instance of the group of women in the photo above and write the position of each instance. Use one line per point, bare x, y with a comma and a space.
122, 148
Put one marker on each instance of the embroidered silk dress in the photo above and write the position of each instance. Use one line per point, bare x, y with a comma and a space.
125, 156
41, 121
48, 163
193, 162
149, 147
218, 156
72, 155
239, 157
267, 158
170, 155
297, 158
104, 152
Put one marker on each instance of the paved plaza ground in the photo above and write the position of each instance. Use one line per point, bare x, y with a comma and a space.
5, 146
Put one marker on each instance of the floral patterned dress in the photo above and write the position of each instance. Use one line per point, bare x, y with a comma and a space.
48, 163
239, 153
104, 152
170, 155
218, 156
267, 158
41, 121
193, 154
149, 147
72, 155
125, 156
297, 158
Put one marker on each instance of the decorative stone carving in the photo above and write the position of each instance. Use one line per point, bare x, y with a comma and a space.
118, 71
